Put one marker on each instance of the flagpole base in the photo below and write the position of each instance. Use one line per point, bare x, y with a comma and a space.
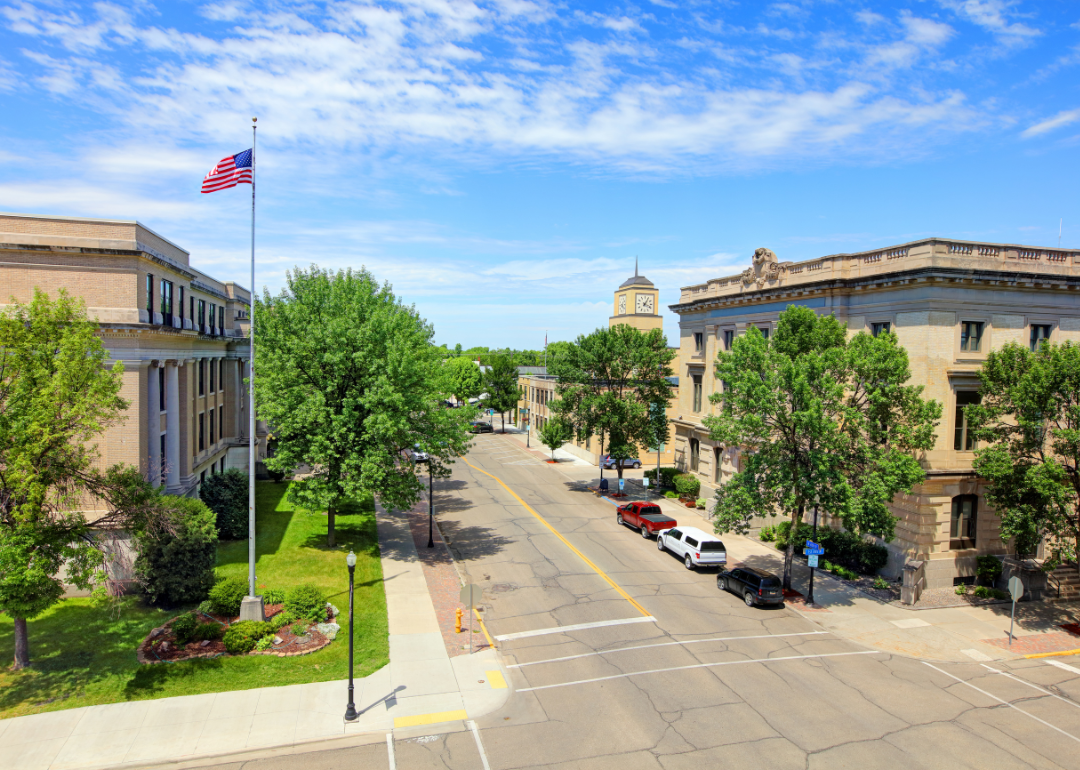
251, 608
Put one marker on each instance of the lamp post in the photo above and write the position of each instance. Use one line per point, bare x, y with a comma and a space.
350, 710
430, 508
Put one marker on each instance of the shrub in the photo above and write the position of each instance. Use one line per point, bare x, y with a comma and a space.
184, 628
307, 602
206, 606
175, 564
961, 590
701, 502
687, 485
274, 596
671, 495
667, 476
281, 620
990, 593
881, 583
209, 632
241, 637
988, 569
227, 596
872, 557
767, 534
264, 644
226, 494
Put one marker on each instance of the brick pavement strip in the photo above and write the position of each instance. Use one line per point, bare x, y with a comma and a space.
444, 585
1030, 644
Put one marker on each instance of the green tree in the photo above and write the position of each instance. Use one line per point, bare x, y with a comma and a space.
1029, 421
606, 382
226, 494
820, 420
556, 432
500, 381
175, 565
348, 378
56, 396
462, 378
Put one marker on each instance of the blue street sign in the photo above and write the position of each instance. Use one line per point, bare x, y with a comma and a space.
622, 484
812, 560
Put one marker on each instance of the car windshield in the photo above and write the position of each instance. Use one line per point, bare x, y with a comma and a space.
715, 545
770, 582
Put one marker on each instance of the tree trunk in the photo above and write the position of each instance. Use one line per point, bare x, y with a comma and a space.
330, 526
22, 645
789, 554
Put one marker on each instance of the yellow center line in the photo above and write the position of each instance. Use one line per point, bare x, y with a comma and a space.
566, 542
484, 628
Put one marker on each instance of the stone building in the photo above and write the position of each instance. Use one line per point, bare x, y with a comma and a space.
180, 334
950, 303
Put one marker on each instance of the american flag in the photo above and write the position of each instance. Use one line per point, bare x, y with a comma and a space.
229, 172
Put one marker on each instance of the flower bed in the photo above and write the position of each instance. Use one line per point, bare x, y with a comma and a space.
296, 638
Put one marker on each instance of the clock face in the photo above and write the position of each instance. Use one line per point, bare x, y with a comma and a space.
644, 303
622, 304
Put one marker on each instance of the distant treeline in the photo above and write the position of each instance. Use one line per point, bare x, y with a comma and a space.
520, 357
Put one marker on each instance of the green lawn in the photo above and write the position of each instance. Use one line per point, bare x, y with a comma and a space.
83, 652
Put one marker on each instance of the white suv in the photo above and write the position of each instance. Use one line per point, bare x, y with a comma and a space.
694, 546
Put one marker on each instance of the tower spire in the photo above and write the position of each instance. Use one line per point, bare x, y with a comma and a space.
635, 266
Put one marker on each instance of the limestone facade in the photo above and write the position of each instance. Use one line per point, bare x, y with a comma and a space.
180, 334
949, 302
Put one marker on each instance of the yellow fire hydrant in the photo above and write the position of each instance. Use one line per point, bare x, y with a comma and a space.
457, 622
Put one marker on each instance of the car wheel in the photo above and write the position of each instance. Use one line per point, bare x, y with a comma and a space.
644, 532
637, 465
618, 518
688, 563
660, 542
749, 599
721, 583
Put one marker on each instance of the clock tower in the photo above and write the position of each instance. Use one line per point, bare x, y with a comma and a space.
637, 303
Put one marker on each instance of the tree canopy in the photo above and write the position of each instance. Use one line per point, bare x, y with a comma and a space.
56, 396
607, 381
1029, 421
555, 433
462, 378
500, 382
347, 378
819, 420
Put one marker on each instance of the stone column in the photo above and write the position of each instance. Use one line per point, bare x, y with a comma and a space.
172, 424
154, 420
238, 399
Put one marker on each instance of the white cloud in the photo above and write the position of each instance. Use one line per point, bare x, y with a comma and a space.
992, 15
1061, 119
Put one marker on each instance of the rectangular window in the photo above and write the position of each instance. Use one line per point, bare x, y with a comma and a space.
166, 300
971, 335
717, 475
164, 460
161, 388
964, 517
880, 327
180, 306
202, 312
729, 338
202, 376
221, 374
213, 317
963, 440
1039, 332
697, 392
150, 295
221, 424
699, 342
202, 436
695, 454
765, 332
211, 427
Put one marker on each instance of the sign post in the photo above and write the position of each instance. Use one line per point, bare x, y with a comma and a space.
471, 594
1016, 591
812, 552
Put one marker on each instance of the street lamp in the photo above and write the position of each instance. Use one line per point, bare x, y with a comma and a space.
430, 507
350, 711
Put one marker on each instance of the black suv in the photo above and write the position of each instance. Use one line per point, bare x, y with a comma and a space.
482, 427
754, 585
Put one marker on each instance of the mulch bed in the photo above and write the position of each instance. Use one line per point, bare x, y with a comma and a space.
160, 645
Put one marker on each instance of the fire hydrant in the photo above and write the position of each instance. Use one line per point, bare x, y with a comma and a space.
457, 622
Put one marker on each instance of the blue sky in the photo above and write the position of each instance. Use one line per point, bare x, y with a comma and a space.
501, 163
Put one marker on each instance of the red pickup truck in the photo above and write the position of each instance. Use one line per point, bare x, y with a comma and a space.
647, 517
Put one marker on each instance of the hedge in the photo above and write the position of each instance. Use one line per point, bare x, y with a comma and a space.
841, 547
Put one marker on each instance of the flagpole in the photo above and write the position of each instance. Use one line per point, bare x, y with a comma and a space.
251, 387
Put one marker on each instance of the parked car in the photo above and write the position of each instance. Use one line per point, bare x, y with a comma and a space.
754, 585
482, 427
647, 517
416, 454
695, 547
610, 462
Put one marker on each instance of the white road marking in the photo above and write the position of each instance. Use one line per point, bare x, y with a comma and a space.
702, 665
664, 644
479, 745
390, 750
576, 627
1066, 666
1029, 684
1005, 702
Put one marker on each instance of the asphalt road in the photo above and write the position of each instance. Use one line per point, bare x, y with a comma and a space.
684, 676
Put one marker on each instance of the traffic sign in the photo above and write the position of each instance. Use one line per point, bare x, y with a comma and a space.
819, 551
622, 484
471, 594
1016, 588
812, 560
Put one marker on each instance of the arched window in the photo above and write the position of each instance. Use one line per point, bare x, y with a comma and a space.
964, 516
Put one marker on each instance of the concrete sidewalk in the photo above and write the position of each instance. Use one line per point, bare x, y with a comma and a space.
421, 686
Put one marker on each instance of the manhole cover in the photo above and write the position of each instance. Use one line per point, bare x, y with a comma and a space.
501, 588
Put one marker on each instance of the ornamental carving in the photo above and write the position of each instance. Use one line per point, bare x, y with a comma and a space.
766, 268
